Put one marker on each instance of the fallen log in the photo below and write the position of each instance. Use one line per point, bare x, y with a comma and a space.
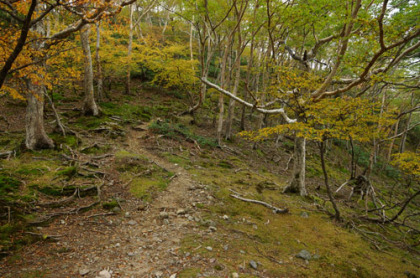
275, 209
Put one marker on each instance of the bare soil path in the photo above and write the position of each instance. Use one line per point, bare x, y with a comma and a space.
138, 242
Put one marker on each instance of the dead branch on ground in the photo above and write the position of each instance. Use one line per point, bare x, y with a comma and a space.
275, 209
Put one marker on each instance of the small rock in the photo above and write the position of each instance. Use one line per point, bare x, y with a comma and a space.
83, 271
116, 209
226, 247
212, 229
235, 275
141, 207
117, 245
163, 215
104, 274
132, 223
209, 248
212, 260
255, 227
225, 217
242, 251
173, 275
131, 254
127, 215
253, 264
354, 269
304, 254
190, 218
166, 221
181, 211
158, 274
316, 257
304, 214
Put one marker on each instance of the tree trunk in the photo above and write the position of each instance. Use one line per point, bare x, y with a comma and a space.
36, 137
297, 184
221, 98
89, 107
324, 170
129, 51
98, 63
231, 108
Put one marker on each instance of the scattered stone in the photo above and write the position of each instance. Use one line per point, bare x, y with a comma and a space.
127, 215
158, 274
226, 247
116, 209
253, 264
181, 211
163, 215
225, 217
235, 275
255, 227
212, 229
304, 214
316, 257
83, 271
173, 275
132, 223
242, 251
141, 207
117, 245
104, 274
209, 248
166, 221
354, 269
190, 218
131, 254
212, 260
304, 254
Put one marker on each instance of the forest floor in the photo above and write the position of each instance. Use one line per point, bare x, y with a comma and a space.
163, 206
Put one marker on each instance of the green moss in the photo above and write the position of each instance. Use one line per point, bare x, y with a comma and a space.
180, 132
110, 205
68, 172
8, 185
189, 273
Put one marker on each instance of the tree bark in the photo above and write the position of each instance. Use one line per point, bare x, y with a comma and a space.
89, 106
297, 184
129, 51
36, 137
324, 170
98, 63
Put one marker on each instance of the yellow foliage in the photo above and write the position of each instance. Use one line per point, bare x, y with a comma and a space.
408, 162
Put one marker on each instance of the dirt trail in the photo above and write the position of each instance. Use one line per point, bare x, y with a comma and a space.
135, 243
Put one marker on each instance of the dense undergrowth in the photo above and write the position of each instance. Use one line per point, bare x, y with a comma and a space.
36, 185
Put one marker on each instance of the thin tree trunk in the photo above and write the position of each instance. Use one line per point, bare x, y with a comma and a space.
221, 98
98, 63
231, 108
297, 184
129, 51
89, 107
324, 170
391, 145
407, 126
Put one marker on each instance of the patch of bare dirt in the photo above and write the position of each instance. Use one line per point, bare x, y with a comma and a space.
140, 241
